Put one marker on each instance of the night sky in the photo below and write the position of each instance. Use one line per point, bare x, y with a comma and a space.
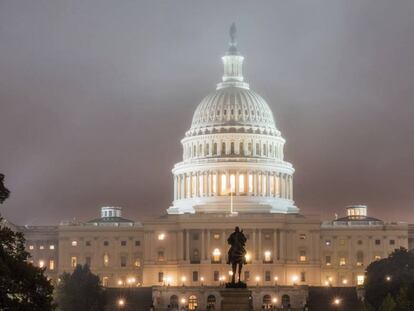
96, 95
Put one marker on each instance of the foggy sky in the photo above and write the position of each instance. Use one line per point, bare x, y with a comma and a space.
96, 95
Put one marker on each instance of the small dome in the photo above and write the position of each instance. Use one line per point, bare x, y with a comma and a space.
233, 106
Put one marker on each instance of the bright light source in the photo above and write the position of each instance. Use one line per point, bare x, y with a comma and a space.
294, 278
230, 272
74, 243
202, 279
257, 278
344, 281
183, 300
41, 263
248, 257
326, 283
337, 301
120, 282
161, 236
183, 278
274, 300
388, 278
276, 278
121, 302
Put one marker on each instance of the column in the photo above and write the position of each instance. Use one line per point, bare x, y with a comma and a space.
275, 250
197, 184
254, 183
260, 245
268, 192
180, 244
236, 185
205, 184
223, 247
175, 187
203, 248
187, 244
208, 250
254, 251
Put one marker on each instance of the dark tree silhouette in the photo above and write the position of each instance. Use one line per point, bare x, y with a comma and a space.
4, 192
80, 291
22, 285
392, 276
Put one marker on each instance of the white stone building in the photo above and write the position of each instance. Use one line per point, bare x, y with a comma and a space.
233, 172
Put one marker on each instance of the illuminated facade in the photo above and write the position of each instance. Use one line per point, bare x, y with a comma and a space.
233, 172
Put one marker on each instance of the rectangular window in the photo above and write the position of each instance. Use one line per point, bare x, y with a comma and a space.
216, 276
73, 261
160, 277
302, 256
195, 276
161, 256
303, 276
105, 243
88, 261
342, 242
302, 236
137, 243
137, 262
246, 276
88, 243
31, 247
360, 279
123, 261
41, 247
328, 260
74, 243
342, 261
267, 276
51, 247
123, 243
377, 242
51, 264
392, 242
195, 236
250, 183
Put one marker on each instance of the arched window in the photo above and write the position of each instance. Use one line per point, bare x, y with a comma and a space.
194, 150
211, 302
174, 302
241, 183
267, 302
196, 255
257, 149
249, 149
264, 149
223, 148
200, 150
216, 255
241, 149
207, 151
232, 183
232, 148
360, 258
285, 301
106, 260
192, 302
215, 149
223, 184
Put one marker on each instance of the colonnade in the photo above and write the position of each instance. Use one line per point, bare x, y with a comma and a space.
242, 147
220, 183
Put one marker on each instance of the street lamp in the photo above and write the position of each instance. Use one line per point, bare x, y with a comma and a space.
294, 279
183, 279
257, 280
121, 303
388, 278
202, 280
336, 302
276, 279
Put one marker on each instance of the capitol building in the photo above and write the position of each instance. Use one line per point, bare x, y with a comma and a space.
233, 173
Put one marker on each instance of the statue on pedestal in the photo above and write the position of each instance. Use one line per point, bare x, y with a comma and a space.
236, 256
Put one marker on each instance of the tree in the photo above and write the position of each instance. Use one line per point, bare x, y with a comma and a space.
388, 304
22, 286
403, 303
388, 276
80, 291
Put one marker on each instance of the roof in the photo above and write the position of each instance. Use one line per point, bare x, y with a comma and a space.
110, 220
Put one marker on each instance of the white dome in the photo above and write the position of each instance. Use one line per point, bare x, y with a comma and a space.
231, 106
233, 158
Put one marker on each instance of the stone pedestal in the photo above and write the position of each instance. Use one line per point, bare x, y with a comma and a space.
235, 299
